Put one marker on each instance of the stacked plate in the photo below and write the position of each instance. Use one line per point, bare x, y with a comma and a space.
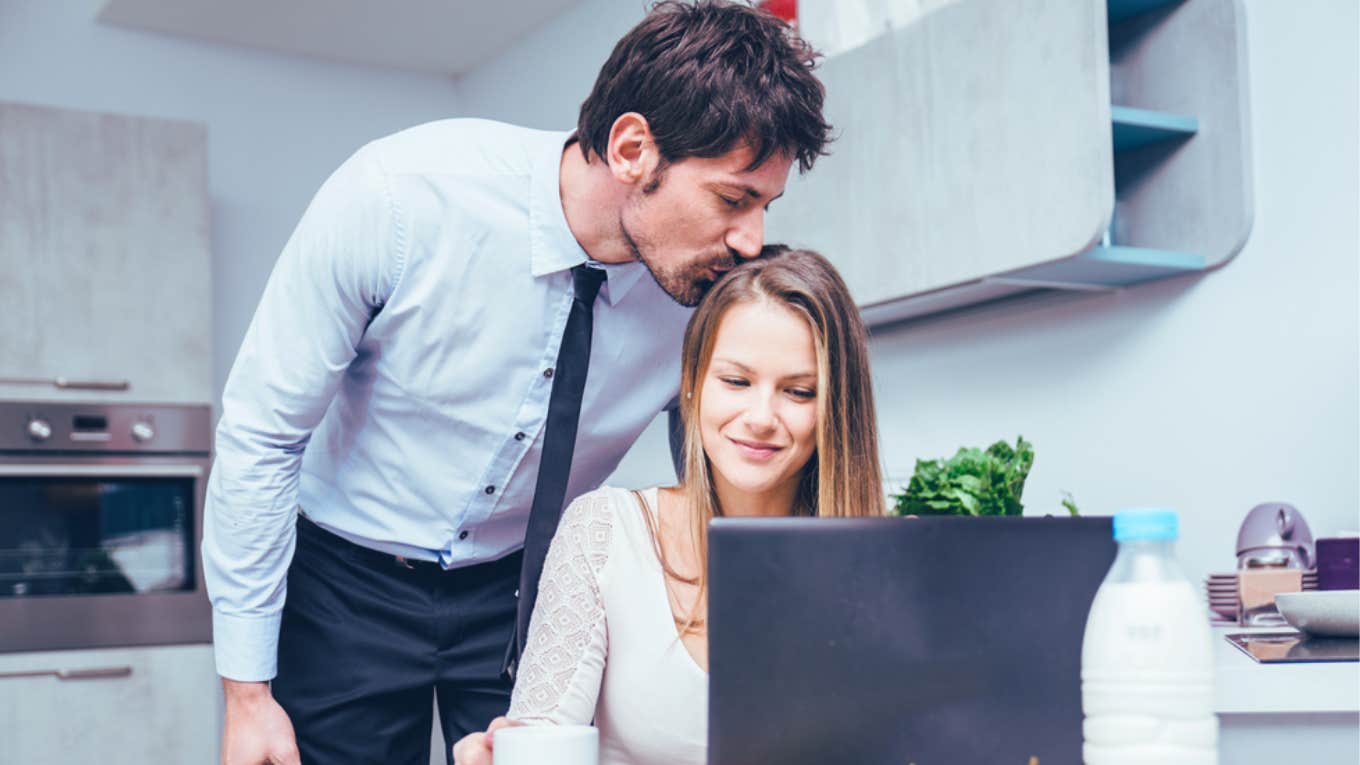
1221, 592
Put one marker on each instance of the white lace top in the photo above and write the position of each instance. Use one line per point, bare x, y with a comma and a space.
603, 645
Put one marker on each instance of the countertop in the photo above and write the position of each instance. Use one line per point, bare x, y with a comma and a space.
1244, 686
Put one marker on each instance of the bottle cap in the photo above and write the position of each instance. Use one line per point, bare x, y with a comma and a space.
1150, 523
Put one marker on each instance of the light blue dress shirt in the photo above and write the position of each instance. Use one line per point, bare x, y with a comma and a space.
393, 381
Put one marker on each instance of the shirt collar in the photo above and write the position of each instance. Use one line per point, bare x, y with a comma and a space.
553, 248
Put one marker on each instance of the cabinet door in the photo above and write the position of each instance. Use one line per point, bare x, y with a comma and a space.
155, 705
972, 141
104, 256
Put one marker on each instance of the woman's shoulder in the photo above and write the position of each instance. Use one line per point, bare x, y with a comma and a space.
609, 504
598, 517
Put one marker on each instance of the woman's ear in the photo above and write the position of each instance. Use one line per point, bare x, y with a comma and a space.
631, 152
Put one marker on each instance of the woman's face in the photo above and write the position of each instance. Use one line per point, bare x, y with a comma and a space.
758, 405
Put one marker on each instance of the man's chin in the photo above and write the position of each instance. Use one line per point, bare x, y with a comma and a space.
695, 294
687, 293
685, 290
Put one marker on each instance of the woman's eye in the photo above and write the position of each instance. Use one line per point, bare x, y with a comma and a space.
729, 201
803, 393
735, 382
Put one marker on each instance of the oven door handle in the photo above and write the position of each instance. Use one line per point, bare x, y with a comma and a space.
67, 470
90, 673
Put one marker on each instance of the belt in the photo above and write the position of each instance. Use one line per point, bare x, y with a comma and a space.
376, 557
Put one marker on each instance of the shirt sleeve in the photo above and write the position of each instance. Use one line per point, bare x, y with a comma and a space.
336, 271
563, 663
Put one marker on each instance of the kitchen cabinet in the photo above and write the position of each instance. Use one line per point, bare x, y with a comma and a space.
985, 151
126, 706
105, 271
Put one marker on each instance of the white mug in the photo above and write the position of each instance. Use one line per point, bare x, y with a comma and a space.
546, 745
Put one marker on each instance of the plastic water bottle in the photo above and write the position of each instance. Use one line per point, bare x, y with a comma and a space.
1147, 661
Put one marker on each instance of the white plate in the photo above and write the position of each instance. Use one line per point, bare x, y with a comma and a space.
1328, 613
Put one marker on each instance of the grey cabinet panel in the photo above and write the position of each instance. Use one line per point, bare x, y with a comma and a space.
971, 142
104, 254
126, 706
992, 149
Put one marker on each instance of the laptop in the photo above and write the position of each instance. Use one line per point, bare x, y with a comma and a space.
933, 641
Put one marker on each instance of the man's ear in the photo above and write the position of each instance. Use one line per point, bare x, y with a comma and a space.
631, 153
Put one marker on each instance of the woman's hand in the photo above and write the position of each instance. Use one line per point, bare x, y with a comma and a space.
475, 748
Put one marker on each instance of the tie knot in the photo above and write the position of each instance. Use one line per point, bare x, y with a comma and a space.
586, 281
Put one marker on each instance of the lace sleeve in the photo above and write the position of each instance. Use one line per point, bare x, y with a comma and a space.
563, 662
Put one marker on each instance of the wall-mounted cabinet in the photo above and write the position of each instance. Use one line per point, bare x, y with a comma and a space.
988, 151
104, 257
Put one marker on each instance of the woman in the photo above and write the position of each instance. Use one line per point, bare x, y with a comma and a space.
779, 421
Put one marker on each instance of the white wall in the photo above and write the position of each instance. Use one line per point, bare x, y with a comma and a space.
277, 124
1207, 395
541, 81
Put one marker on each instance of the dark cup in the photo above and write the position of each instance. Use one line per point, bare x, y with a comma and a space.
1338, 563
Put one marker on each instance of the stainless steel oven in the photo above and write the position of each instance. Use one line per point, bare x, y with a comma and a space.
101, 515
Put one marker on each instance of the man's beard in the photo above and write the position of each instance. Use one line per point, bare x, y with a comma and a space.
686, 284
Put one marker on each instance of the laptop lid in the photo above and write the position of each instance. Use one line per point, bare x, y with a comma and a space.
934, 641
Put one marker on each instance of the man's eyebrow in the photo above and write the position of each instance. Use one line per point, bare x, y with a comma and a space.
751, 191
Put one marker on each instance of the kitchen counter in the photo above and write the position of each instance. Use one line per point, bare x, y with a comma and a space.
1274, 713
1247, 687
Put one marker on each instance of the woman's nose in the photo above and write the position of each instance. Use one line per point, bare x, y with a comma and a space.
759, 415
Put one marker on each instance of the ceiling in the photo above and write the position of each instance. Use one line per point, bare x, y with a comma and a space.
433, 36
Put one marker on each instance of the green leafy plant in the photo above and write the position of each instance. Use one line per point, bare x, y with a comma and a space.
973, 482
1070, 504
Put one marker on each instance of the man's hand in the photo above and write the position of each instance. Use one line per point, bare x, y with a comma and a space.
475, 748
257, 731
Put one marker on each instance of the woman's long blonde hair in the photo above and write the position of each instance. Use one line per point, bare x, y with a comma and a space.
842, 478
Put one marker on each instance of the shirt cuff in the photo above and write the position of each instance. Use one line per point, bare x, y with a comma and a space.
246, 648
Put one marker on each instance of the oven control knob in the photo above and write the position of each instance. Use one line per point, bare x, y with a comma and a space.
142, 432
39, 430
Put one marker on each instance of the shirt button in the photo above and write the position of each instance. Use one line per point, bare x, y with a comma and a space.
519, 436
462, 535
548, 373
491, 490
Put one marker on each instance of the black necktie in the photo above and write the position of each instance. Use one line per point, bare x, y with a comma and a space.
559, 439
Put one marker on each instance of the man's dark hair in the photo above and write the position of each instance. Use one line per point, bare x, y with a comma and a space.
708, 76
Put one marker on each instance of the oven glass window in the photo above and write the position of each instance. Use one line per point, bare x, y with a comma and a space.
82, 536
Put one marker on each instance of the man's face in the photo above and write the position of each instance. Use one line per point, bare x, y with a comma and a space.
698, 217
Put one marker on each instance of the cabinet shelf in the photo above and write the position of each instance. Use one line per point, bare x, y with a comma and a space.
1120, 10
1100, 269
1135, 128
1109, 267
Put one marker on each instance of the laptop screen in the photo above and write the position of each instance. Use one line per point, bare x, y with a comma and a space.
934, 641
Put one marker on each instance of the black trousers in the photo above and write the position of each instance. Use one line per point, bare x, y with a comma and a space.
367, 642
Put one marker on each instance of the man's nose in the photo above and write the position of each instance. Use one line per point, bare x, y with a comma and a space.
748, 236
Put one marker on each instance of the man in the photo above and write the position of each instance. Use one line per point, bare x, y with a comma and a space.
412, 394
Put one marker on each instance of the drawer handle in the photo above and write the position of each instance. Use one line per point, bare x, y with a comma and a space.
68, 384
92, 673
